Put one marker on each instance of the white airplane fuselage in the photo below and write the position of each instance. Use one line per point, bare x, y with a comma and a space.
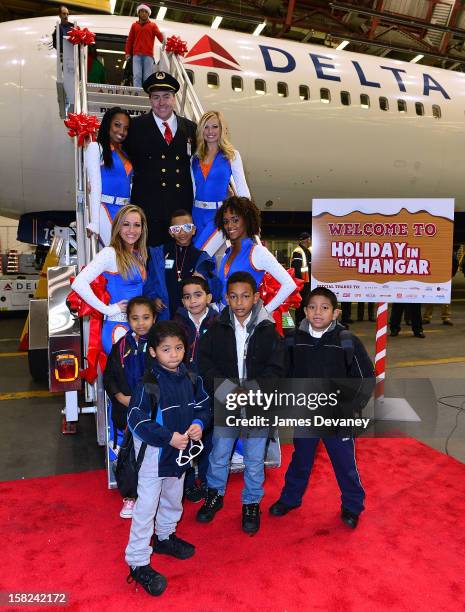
293, 149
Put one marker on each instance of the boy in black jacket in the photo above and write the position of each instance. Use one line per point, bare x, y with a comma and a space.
195, 317
321, 352
167, 412
242, 345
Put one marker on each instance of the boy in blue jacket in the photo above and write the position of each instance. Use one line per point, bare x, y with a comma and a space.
168, 412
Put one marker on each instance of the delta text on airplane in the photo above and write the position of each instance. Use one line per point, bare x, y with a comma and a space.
341, 125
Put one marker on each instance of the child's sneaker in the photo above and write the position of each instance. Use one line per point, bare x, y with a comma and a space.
194, 494
128, 506
173, 546
153, 582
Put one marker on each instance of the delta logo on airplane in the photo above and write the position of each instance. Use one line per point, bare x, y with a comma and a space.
207, 52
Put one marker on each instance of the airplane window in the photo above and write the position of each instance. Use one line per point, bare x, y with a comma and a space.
345, 98
190, 74
325, 95
402, 106
282, 89
213, 80
304, 92
419, 108
436, 111
236, 83
383, 103
364, 100
260, 87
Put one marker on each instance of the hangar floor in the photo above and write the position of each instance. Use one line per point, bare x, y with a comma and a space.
423, 370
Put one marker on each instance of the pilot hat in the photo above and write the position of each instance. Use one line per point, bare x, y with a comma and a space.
160, 81
145, 8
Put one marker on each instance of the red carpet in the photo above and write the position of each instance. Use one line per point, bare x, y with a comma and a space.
64, 534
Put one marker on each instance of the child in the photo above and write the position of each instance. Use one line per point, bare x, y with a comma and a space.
170, 263
125, 367
195, 318
242, 345
139, 45
318, 354
167, 412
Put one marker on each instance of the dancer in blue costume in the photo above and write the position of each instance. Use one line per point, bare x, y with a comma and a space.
109, 172
123, 266
239, 221
213, 164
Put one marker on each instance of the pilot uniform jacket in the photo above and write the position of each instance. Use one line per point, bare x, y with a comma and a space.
162, 179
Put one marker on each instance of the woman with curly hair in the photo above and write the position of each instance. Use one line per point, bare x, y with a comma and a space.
109, 172
239, 221
123, 266
213, 164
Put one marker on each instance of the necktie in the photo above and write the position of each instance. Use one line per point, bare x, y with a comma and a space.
168, 133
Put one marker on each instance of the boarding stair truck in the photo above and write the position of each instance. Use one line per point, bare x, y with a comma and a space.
67, 337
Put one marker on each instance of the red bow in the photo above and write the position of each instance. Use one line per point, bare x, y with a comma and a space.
83, 126
95, 353
81, 37
175, 45
269, 287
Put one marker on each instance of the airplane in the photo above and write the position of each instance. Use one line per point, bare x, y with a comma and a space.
309, 121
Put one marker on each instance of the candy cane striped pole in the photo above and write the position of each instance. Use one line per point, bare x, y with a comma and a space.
380, 357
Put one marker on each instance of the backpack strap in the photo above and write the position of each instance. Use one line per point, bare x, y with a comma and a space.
151, 387
193, 377
140, 456
347, 343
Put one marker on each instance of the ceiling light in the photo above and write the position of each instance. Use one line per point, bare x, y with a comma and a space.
216, 22
259, 29
416, 59
342, 45
161, 13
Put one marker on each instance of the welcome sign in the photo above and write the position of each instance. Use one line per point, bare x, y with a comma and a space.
383, 250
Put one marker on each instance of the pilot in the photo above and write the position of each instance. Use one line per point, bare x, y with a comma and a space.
160, 145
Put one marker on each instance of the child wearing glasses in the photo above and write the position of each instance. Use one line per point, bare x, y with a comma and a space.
196, 317
167, 412
177, 259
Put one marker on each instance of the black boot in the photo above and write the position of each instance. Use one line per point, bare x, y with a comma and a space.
349, 518
213, 503
250, 518
153, 582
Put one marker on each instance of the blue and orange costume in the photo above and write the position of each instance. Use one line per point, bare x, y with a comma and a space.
110, 189
211, 182
256, 259
115, 324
